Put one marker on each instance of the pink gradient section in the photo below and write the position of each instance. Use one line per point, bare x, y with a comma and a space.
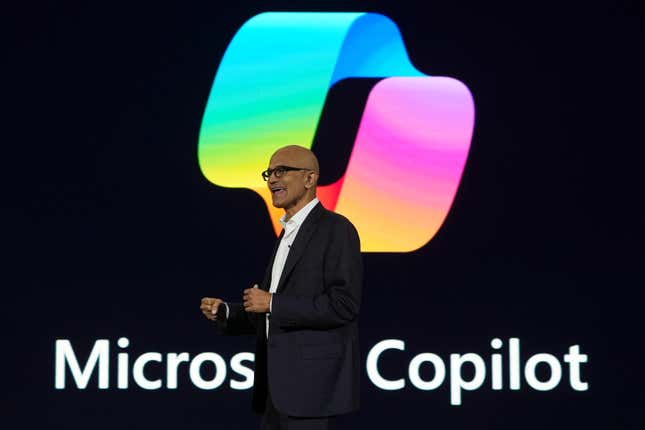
407, 161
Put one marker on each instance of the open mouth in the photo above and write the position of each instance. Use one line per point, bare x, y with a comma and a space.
278, 191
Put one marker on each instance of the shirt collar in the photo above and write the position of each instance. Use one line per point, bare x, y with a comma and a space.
298, 218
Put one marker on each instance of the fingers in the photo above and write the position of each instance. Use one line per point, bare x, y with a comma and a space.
209, 306
249, 290
250, 294
255, 299
209, 315
249, 299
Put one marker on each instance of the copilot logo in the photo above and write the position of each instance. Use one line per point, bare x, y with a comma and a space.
412, 141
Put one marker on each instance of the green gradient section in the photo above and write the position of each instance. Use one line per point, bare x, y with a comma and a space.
271, 85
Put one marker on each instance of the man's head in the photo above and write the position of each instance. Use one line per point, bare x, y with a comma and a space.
293, 174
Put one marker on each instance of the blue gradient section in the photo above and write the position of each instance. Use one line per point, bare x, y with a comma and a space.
273, 80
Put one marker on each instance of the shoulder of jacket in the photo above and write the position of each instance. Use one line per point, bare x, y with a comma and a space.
335, 218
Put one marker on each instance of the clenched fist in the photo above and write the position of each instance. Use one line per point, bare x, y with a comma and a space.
256, 300
209, 308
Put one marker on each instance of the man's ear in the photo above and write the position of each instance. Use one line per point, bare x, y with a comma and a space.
310, 180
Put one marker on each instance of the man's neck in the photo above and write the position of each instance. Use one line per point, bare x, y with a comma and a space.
288, 213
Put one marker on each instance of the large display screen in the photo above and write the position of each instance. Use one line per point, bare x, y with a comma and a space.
487, 155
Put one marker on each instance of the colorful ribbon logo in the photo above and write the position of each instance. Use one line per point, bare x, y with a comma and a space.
412, 142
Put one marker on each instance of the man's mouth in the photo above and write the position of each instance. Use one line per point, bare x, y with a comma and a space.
278, 191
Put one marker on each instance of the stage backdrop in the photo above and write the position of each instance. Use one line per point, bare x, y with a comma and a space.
487, 154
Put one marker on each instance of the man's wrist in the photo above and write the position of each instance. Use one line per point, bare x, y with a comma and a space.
222, 310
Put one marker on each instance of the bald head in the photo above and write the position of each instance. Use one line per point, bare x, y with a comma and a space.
302, 157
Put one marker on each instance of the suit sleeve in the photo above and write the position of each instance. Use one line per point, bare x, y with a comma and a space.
238, 321
339, 303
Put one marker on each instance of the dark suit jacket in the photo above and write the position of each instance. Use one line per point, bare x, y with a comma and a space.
311, 364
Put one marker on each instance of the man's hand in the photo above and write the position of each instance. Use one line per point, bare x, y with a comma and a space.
209, 308
256, 300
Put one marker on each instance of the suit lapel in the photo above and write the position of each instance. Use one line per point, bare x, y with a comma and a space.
266, 284
300, 244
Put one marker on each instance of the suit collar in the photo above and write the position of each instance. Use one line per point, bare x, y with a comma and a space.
300, 243
299, 217
266, 283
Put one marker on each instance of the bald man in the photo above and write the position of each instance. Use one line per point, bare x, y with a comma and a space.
305, 311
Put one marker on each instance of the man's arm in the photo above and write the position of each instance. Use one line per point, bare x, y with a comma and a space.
339, 303
238, 320
231, 318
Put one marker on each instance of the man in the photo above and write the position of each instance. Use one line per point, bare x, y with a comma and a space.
305, 312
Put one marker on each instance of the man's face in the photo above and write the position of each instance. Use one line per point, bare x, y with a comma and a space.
290, 188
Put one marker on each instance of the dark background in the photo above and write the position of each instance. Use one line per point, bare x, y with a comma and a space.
110, 229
